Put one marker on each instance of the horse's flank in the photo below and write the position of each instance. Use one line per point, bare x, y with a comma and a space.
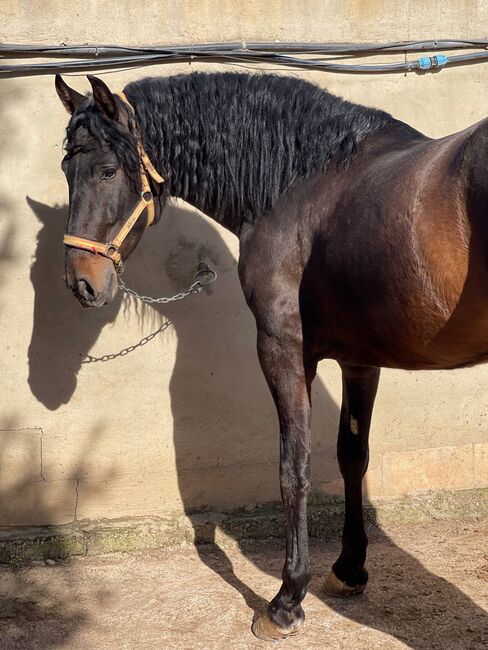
393, 274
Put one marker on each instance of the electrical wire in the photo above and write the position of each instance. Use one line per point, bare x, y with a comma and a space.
276, 54
296, 47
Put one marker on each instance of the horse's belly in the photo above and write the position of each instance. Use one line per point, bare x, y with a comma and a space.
369, 316
392, 345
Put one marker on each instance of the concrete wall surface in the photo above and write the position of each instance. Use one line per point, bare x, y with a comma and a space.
186, 421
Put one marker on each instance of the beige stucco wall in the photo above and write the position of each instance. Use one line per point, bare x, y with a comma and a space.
186, 420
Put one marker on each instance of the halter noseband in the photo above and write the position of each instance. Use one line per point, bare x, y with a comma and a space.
111, 249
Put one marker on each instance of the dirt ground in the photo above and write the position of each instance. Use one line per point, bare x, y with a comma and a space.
428, 589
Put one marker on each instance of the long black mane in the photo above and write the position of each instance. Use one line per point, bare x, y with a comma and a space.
231, 144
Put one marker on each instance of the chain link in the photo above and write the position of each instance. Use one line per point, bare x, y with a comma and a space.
202, 277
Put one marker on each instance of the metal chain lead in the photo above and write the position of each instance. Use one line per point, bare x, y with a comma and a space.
196, 287
131, 348
199, 281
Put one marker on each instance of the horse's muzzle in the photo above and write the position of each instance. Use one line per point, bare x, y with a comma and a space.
91, 278
88, 297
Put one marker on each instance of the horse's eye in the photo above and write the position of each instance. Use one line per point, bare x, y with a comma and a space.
108, 173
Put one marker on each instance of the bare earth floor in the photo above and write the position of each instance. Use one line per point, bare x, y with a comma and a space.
428, 589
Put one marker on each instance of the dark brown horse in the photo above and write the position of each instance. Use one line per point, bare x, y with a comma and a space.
361, 240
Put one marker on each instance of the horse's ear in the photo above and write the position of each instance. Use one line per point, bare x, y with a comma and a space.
103, 97
71, 98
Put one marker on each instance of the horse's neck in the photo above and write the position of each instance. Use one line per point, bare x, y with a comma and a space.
232, 159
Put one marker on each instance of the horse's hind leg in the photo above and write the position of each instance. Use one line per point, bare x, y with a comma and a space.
348, 575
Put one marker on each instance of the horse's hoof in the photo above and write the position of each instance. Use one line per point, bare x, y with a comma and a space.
335, 587
267, 630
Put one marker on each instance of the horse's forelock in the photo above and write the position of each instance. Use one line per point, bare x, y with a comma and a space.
107, 132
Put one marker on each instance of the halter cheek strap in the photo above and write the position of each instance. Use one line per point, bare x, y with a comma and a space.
146, 202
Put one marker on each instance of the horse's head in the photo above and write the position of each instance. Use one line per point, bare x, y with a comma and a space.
111, 183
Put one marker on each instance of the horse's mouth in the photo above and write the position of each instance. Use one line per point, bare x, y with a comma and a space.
101, 301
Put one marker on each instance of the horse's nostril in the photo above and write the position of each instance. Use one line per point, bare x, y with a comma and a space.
85, 290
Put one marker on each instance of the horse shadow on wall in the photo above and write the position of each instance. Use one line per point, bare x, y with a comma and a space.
33, 612
225, 426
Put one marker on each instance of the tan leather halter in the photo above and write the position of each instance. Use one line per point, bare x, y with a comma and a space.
111, 249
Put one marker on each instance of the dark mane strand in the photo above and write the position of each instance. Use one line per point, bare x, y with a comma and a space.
231, 143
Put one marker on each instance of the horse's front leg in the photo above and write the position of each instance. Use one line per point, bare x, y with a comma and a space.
289, 378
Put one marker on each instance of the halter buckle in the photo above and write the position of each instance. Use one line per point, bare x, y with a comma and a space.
118, 266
